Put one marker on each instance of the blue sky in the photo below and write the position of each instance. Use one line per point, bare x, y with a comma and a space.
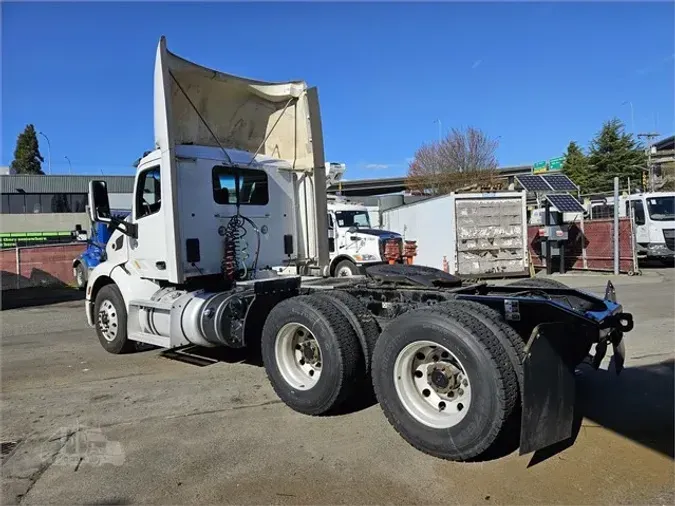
536, 75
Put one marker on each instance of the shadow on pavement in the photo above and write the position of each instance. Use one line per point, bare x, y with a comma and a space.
38, 296
638, 404
202, 357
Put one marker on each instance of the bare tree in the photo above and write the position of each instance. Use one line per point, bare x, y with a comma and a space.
462, 160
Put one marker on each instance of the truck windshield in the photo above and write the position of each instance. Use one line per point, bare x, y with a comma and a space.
352, 219
661, 208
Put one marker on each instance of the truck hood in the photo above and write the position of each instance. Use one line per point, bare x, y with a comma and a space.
268, 118
384, 234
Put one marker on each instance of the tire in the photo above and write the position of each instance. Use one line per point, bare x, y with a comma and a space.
80, 276
345, 268
465, 434
511, 341
340, 358
110, 313
364, 324
539, 283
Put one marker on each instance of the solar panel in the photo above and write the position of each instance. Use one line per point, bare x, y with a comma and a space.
560, 182
533, 183
565, 203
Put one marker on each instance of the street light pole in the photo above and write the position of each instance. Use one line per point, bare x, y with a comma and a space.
439, 129
49, 153
70, 165
632, 115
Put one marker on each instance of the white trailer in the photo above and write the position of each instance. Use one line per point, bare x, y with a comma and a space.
477, 233
227, 245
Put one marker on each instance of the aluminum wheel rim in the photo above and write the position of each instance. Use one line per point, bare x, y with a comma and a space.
80, 277
344, 272
298, 356
421, 371
107, 320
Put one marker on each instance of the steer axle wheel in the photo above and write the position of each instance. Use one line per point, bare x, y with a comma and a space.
110, 315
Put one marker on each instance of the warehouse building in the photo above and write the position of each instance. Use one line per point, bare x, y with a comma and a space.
45, 209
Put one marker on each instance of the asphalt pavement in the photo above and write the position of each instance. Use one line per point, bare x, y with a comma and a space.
81, 426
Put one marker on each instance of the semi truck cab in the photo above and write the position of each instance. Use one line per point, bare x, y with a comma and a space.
654, 215
353, 244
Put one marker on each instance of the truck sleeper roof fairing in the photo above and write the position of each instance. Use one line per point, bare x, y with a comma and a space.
269, 118
198, 106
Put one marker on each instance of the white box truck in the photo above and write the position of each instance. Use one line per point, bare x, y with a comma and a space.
478, 234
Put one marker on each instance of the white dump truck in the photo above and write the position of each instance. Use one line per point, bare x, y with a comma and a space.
227, 245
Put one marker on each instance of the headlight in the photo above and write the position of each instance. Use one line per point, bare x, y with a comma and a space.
365, 257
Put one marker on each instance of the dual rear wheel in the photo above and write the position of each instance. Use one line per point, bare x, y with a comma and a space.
447, 377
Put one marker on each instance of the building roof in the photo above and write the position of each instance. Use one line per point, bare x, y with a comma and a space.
23, 183
665, 143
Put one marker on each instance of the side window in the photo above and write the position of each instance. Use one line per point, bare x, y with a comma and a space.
148, 193
330, 221
251, 190
639, 212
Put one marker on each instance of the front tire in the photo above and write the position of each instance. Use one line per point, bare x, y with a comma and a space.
311, 354
444, 382
80, 276
110, 315
346, 268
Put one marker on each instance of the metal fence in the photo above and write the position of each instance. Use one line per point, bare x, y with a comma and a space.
590, 246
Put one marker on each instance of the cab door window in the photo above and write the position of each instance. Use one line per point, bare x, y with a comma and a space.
148, 193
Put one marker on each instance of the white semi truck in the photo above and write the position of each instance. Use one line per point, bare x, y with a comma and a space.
654, 220
353, 242
227, 245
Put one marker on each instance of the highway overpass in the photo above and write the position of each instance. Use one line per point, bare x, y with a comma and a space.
385, 185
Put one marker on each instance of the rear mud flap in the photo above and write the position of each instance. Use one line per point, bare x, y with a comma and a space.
553, 352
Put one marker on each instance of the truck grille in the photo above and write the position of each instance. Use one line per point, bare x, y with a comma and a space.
669, 236
383, 242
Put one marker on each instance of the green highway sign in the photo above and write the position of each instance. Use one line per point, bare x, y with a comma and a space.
539, 167
556, 163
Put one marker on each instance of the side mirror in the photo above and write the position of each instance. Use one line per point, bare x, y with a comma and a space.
352, 230
99, 206
99, 209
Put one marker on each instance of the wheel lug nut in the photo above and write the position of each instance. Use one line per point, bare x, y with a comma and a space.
461, 392
465, 383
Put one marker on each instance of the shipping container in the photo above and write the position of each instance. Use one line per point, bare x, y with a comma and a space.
479, 234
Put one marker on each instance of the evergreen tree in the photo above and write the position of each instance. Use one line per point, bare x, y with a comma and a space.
576, 165
27, 157
614, 153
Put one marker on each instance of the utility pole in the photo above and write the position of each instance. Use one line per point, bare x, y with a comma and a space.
649, 136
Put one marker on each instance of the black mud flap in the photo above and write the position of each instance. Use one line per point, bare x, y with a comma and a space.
549, 386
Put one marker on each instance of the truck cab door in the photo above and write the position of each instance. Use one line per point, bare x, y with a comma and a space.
331, 234
147, 255
641, 228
